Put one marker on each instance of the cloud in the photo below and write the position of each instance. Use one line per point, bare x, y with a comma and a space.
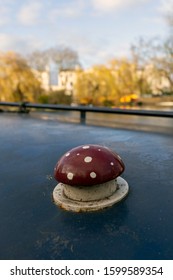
94, 55
166, 7
4, 16
70, 10
110, 5
5, 12
5, 41
19, 44
64, 12
92, 51
30, 13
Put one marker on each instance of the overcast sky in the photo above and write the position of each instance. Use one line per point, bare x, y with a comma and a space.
97, 29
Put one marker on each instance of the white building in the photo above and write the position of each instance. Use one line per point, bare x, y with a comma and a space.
65, 80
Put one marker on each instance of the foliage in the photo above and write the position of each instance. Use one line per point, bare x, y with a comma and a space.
17, 82
105, 85
55, 97
43, 98
148, 70
59, 97
95, 86
126, 77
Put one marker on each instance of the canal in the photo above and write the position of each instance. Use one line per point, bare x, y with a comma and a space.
144, 123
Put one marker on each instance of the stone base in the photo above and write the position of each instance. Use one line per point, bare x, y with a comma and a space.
86, 206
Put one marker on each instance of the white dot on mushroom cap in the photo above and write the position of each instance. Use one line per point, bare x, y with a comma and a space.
70, 176
78, 154
67, 154
111, 163
85, 147
93, 175
99, 150
88, 159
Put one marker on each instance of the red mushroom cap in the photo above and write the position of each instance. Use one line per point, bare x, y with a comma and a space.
88, 165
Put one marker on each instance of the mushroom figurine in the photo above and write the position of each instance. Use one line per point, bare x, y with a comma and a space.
89, 179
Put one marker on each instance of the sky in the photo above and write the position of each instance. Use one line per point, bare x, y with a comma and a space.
99, 30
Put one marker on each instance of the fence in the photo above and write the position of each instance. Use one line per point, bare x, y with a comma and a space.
24, 107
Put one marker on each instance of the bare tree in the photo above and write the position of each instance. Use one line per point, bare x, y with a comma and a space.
155, 56
37, 60
169, 16
63, 57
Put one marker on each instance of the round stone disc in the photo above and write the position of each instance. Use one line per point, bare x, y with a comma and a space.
78, 206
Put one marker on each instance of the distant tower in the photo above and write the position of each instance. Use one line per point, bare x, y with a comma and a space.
54, 70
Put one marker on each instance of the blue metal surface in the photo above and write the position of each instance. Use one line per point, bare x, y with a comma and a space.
33, 227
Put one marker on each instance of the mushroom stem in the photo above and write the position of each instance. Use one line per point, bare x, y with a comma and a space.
90, 193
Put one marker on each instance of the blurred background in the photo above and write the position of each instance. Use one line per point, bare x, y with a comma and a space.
110, 53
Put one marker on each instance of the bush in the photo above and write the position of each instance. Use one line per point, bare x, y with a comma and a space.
59, 97
43, 98
55, 97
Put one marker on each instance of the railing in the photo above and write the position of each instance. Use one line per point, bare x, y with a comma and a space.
25, 106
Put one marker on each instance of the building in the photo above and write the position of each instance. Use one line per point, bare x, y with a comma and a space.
66, 80
57, 80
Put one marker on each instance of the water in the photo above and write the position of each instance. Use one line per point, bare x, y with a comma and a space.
112, 120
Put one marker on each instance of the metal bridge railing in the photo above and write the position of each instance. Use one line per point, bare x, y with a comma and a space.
23, 107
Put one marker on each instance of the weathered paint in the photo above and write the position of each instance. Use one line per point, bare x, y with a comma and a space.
33, 227
87, 199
